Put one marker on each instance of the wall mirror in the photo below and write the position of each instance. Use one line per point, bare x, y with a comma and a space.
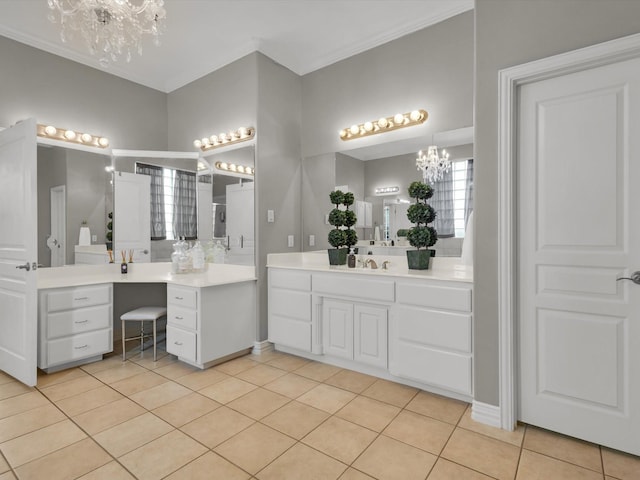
226, 202
380, 216
74, 192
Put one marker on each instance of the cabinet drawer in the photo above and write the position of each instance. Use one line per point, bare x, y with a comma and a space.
290, 332
290, 304
82, 345
182, 296
289, 279
81, 320
69, 298
183, 317
181, 343
435, 296
433, 328
377, 290
451, 371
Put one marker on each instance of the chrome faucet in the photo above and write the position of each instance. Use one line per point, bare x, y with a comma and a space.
385, 264
371, 262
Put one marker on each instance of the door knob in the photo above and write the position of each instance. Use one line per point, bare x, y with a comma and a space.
635, 277
26, 266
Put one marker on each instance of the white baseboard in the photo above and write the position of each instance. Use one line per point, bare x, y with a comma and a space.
485, 413
262, 347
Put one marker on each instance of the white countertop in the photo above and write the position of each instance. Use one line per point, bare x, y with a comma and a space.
75, 275
442, 268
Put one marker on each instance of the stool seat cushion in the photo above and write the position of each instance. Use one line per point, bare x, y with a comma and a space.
145, 313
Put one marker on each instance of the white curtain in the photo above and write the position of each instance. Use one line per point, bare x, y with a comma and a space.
442, 202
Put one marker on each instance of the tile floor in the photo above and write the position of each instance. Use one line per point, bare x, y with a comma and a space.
267, 417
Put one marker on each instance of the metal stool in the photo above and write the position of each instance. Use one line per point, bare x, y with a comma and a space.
142, 314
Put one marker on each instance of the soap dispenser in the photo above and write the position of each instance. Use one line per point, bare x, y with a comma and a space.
351, 259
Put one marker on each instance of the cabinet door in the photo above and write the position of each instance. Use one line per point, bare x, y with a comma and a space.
337, 328
181, 343
370, 335
368, 214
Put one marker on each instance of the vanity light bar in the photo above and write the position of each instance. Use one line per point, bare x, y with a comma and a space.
232, 167
224, 139
386, 190
384, 124
71, 136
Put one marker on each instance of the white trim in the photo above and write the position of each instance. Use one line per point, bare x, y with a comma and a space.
485, 413
52, 142
117, 152
509, 80
262, 347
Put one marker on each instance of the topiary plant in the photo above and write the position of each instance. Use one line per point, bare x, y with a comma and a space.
341, 238
421, 236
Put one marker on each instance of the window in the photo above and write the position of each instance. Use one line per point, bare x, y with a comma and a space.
173, 202
459, 170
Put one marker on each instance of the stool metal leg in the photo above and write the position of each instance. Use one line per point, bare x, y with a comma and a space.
154, 341
123, 340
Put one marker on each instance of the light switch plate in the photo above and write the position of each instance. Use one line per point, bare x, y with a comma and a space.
271, 216
312, 240
290, 240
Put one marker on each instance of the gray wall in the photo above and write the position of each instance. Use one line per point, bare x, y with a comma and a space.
70, 95
278, 170
318, 179
510, 33
431, 69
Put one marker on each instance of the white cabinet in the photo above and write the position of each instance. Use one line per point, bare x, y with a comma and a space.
208, 324
364, 214
355, 331
290, 308
431, 335
75, 325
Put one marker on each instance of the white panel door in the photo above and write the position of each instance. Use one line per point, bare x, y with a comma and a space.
337, 328
240, 223
132, 216
18, 252
578, 232
205, 211
370, 335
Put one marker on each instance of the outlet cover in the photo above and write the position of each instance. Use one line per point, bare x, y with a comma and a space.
312, 240
290, 240
271, 216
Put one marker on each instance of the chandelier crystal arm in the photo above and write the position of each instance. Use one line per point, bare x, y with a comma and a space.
433, 165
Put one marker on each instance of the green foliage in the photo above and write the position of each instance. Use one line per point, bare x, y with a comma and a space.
420, 191
109, 236
336, 197
336, 238
337, 217
348, 199
110, 225
402, 232
349, 218
350, 237
421, 213
421, 237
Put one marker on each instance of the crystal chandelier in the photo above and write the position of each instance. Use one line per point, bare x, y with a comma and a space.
110, 27
433, 166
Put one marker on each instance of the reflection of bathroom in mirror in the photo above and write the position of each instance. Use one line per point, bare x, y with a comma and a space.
73, 187
226, 204
362, 171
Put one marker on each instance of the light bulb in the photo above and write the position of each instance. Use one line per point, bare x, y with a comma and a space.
248, 170
70, 135
415, 115
343, 133
86, 138
398, 119
50, 130
240, 169
232, 167
205, 141
223, 166
383, 122
231, 135
242, 131
222, 137
197, 143
355, 129
368, 126
213, 139
103, 142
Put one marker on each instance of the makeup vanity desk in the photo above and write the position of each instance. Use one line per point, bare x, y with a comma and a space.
211, 316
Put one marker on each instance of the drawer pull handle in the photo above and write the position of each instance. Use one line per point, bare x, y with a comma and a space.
179, 318
81, 298
179, 298
81, 321
178, 343
81, 347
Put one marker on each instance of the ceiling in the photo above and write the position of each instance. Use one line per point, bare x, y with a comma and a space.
204, 35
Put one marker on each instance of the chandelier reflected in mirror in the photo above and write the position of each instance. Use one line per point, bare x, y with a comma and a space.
432, 164
111, 28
